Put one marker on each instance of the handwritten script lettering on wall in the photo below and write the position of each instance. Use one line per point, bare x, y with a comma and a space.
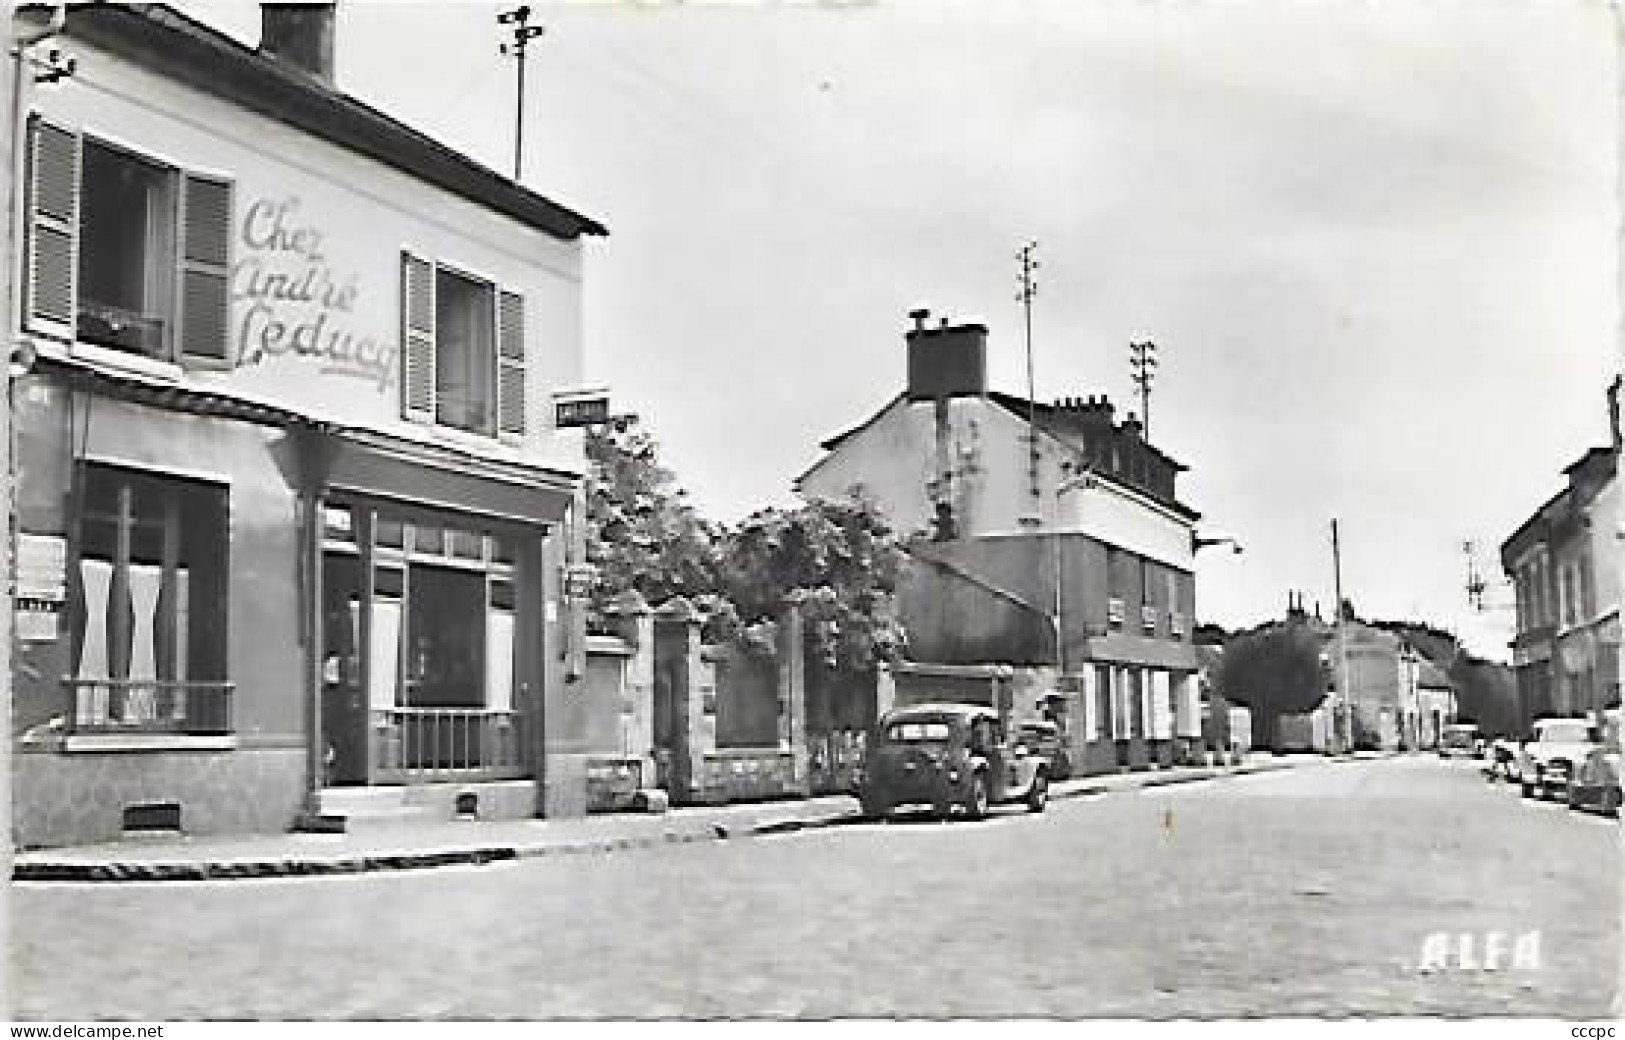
296, 303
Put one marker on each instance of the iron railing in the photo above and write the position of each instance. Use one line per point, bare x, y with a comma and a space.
419, 744
149, 706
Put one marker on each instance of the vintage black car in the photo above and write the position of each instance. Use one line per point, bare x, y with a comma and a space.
950, 757
1044, 740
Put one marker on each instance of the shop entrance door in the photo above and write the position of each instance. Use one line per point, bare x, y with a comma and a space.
344, 701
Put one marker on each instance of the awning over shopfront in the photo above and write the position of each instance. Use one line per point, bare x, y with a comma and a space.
373, 464
352, 459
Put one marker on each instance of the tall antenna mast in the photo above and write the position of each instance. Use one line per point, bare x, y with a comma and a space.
523, 33
1475, 580
1029, 289
1142, 362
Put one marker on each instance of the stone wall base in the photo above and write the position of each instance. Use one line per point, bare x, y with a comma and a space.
79, 798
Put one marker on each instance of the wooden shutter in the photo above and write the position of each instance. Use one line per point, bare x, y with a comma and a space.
511, 364
205, 267
52, 263
417, 338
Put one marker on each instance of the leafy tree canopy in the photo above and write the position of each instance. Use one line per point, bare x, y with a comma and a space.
643, 535
1274, 669
842, 557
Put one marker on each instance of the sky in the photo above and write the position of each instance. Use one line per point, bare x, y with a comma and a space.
1375, 243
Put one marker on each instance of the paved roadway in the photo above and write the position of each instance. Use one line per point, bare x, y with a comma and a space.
1312, 891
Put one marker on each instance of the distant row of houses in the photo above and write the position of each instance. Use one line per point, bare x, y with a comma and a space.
1381, 690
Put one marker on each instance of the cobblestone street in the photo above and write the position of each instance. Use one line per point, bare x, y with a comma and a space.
1311, 891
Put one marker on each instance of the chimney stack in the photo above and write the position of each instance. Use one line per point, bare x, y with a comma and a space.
299, 36
946, 361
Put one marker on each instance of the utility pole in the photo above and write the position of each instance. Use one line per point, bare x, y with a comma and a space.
1142, 363
1029, 289
523, 33
1346, 707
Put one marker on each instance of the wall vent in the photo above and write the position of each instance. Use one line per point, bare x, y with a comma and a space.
153, 816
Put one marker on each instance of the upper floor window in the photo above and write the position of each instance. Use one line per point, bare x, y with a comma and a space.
124, 252
464, 342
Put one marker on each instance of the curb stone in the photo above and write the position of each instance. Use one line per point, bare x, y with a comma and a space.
116, 871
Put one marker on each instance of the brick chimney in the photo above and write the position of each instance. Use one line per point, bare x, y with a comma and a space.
947, 361
299, 36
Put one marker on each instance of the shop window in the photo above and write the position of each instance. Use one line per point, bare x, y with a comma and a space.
464, 350
148, 615
390, 533
446, 623
124, 252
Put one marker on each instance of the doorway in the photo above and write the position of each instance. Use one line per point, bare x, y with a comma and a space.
344, 699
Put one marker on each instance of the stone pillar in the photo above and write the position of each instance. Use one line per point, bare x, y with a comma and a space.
793, 694
677, 641
633, 621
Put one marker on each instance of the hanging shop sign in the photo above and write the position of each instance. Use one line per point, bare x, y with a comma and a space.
573, 408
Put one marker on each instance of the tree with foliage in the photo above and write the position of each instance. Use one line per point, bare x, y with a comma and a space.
844, 560
1273, 670
642, 533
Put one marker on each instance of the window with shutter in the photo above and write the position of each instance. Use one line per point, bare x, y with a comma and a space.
511, 364
53, 226
417, 339
126, 250
205, 267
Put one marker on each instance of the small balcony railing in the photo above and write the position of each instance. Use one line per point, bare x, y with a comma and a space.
412, 745
149, 706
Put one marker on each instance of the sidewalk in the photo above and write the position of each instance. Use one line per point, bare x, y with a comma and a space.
405, 847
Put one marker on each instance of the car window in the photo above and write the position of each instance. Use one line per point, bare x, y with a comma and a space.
917, 732
1566, 732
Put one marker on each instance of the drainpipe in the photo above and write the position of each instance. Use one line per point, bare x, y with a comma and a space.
18, 358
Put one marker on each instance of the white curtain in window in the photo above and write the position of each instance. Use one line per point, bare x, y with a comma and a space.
499, 660
383, 658
1188, 697
1091, 710
1122, 723
96, 578
1162, 713
140, 702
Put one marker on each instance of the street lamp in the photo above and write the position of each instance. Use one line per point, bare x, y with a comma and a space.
1198, 543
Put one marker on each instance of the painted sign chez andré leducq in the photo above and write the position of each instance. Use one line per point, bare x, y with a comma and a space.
293, 301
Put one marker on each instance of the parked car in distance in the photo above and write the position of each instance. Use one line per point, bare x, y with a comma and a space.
1596, 781
1551, 758
1044, 740
1460, 739
948, 757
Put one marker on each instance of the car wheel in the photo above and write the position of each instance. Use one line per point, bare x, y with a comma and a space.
875, 810
1526, 788
1038, 794
1575, 798
976, 797
1063, 767
1610, 801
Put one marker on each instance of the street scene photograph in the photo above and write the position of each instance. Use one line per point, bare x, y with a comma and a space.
899, 510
